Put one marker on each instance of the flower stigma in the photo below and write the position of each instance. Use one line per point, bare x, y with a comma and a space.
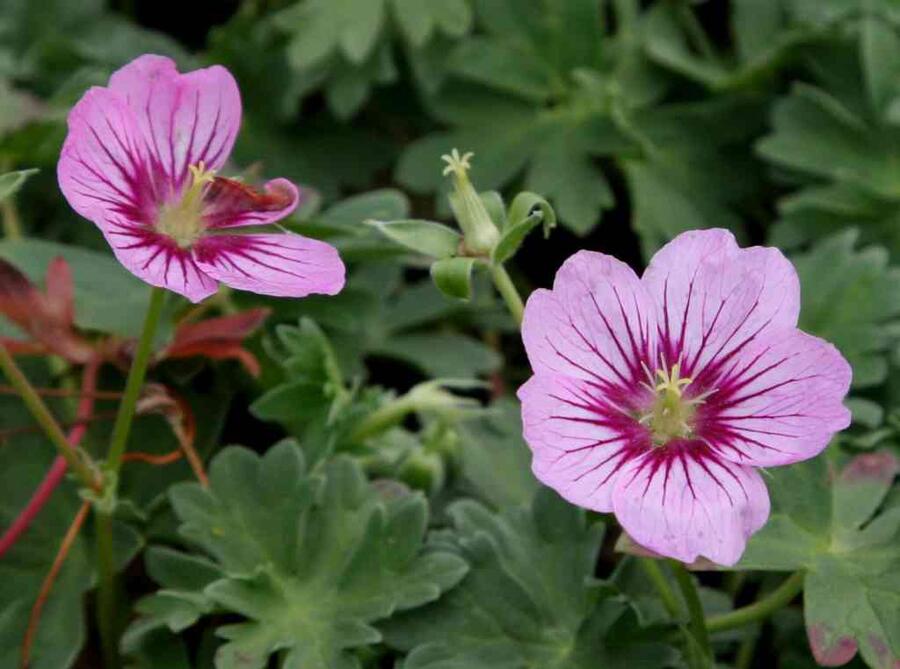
182, 221
671, 414
480, 234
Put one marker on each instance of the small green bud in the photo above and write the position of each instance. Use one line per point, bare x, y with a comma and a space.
423, 471
480, 234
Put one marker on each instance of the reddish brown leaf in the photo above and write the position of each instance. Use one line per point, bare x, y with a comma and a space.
47, 318
828, 649
218, 339
157, 399
880, 467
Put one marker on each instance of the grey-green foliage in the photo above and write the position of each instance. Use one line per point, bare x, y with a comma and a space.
836, 139
530, 599
309, 562
826, 522
24, 460
852, 298
347, 44
549, 96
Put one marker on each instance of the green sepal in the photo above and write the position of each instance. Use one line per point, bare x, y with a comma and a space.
496, 207
453, 277
526, 212
427, 237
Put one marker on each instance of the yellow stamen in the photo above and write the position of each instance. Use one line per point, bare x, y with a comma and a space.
183, 220
671, 414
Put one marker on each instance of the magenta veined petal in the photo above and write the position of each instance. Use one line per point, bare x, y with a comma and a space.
184, 119
655, 398
140, 161
157, 261
597, 323
713, 298
779, 402
689, 503
282, 265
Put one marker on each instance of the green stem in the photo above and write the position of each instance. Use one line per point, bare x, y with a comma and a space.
744, 657
45, 419
12, 227
760, 609
106, 596
383, 418
106, 593
656, 576
135, 381
508, 292
696, 620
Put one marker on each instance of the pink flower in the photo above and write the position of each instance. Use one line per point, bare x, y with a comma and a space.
656, 398
140, 162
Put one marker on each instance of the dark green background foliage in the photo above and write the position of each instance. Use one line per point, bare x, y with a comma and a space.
380, 511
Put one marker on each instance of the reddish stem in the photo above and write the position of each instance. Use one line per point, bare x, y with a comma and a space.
49, 580
152, 458
58, 469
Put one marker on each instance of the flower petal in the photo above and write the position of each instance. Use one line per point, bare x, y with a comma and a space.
780, 401
685, 502
102, 167
184, 118
157, 260
597, 324
284, 265
715, 298
229, 203
579, 441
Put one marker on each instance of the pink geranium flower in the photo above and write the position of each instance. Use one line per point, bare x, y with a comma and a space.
140, 161
657, 397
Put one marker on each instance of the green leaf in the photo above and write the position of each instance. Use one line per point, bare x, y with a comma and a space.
11, 182
453, 276
816, 133
307, 563
495, 462
108, 298
24, 460
515, 101
822, 522
529, 600
442, 354
432, 239
852, 299
418, 20
880, 53
526, 212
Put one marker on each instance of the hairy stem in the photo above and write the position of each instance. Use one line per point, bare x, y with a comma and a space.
696, 621
383, 418
135, 381
45, 419
12, 227
508, 292
106, 593
58, 469
658, 579
760, 609
106, 596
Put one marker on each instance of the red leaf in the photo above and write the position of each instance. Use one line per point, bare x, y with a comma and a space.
46, 318
218, 339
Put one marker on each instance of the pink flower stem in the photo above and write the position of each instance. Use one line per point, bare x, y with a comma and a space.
58, 469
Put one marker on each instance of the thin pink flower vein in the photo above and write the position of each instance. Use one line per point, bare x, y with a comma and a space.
141, 161
657, 397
